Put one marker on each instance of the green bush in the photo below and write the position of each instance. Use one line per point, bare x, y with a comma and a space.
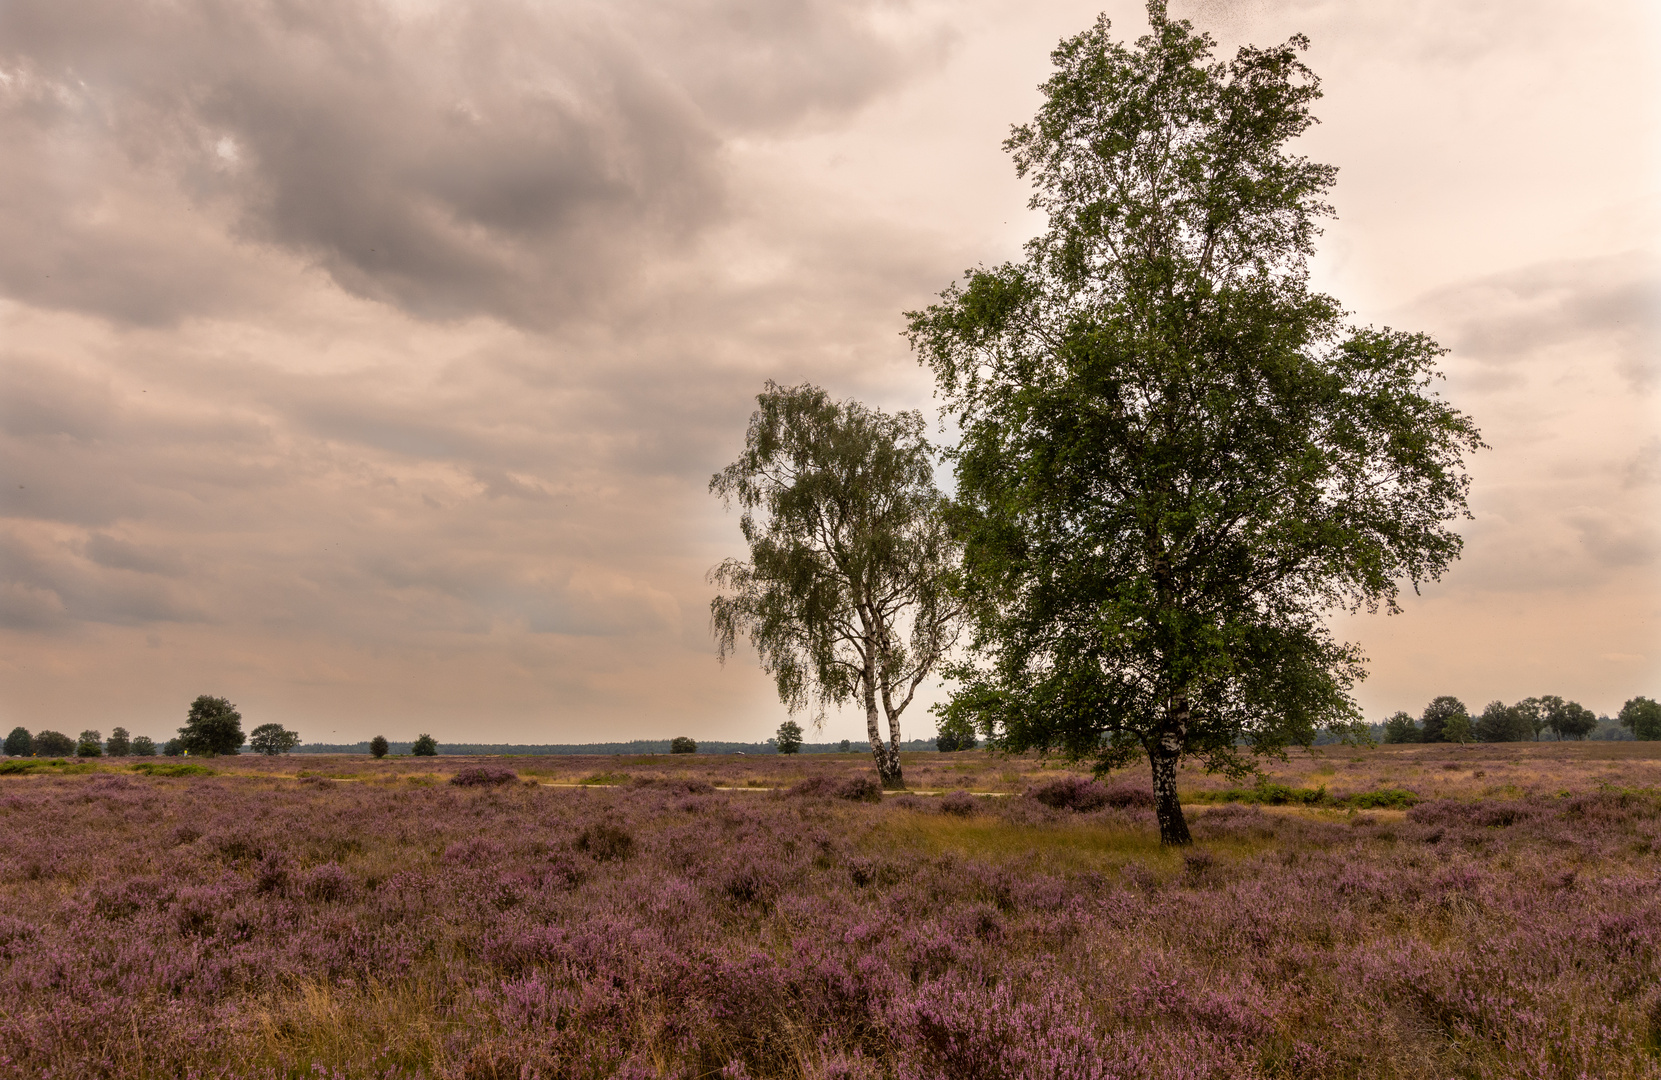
144, 746
680, 744
54, 744
424, 746
170, 768
378, 746
90, 744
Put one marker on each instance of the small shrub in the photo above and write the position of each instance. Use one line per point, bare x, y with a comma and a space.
170, 768
605, 779
378, 746
606, 842
676, 785
327, 883
1071, 793
483, 776
959, 804
854, 789
1385, 799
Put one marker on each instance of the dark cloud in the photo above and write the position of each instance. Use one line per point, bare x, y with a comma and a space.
505, 159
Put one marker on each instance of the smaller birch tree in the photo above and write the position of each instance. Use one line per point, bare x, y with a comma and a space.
845, 593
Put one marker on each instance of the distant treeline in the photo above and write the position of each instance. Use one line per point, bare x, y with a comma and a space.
638, 746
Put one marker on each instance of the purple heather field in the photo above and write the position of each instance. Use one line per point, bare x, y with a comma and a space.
338, 917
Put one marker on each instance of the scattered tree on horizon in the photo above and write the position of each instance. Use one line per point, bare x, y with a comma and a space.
424, 746
1176, 457
144, 746
1641, 716
173, 748
19, 743
54, 744
1402, 728
1500, 722
378, 746
119, 744
212, 727
845, 595
1568, 719
1441, 710
90, 744
680, 744
788, 740
272, 739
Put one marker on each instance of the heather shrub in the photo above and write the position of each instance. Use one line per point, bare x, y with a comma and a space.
483, 776
328, 883
959, 803
605, 842
676, 785
1083, 795
854, 788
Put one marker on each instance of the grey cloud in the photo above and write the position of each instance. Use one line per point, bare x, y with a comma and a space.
479, 158
1612, 540
1611, 304
55, 589
118, 554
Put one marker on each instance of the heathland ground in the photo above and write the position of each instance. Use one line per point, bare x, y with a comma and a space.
1401, 911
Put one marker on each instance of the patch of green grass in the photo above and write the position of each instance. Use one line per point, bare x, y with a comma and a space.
605, 779
56, 766
171, 768
1269, 794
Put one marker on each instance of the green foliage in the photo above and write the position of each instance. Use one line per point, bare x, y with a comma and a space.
1568, 719
845, 595
170, 768
844, 746
272, 739
1641, 716
90, 744
212, 727
144, 746
956, 733
1176, 457
789, 738
378, 746
119, 744
680, 744
1438, 714
173, 748
54, 744
25, 767
1265, 793
1402, 728
21, 744
424, 746
1500, 722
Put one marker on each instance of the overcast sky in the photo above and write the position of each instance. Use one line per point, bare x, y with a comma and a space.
367, 362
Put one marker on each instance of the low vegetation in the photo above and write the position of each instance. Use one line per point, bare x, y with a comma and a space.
246, 924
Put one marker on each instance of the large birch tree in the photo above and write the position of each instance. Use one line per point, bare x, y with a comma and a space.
845, 594
1177, 457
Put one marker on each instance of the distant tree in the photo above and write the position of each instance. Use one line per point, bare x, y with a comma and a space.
1641, 716
1533, 713
1402, 728
144, 746
789, 738
21, 744
1458, 729
272, 739
1436, 716
424, 746
845, 596
378, 746
119, 744
956, 733
212, 727
680, 744
1500, 722
1570, 719
173, 748
54, 744
90, 744
844, 746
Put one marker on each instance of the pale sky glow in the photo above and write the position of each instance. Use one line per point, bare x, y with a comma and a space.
366, 363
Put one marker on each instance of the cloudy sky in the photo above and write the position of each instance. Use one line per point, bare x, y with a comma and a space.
366, 361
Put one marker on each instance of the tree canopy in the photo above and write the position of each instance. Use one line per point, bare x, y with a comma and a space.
19, 743
1641, 716
1176, 456
845, 594
213, 726
272, 739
